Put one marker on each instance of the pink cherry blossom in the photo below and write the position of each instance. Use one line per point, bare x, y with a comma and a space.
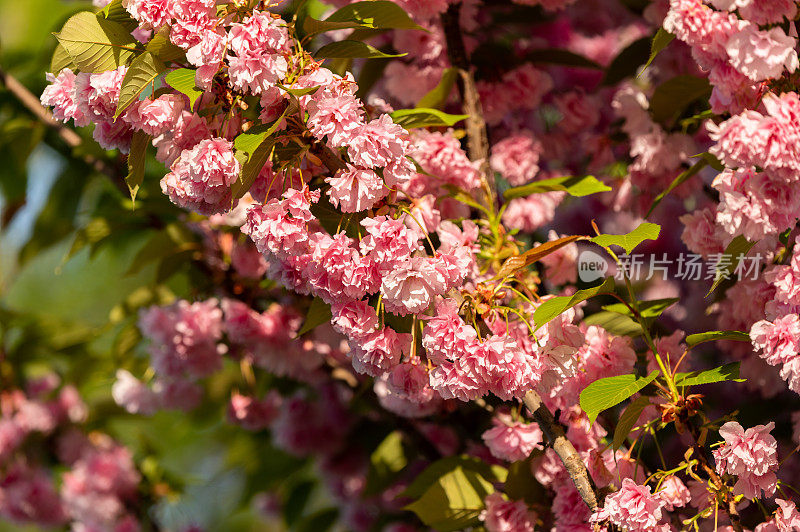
633, 508
516, 158
761, 55
202, 177
502, 515
60, 95
251, 413
512, 440
751, 455
355, 189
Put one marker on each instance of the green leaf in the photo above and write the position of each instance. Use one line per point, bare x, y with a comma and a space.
437, 97
711, 336
379, 14
351, 49
388, 459
628, 242
257, 143
627, 62
616, 324
143, 71
115, 12
318, 313
605, 393
414, 118
628, 420
728, 372
161, 47
559, 56
551, 308
299, 92
712, 161
578, 186
297, 501
136, 160
454, 501
96, 44
520, 484
729, 261
647, 309
660, 41
319, 521
678, 181
442, 467
674, 95
182, 80
61, 60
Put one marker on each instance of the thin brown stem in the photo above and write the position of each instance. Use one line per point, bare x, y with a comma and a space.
730, 502
477, 135
70, 138
554, 432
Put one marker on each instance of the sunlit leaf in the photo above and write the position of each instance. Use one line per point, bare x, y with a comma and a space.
611, 391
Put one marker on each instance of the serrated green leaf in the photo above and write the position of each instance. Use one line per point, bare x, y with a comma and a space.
728, 372
629, 242
551, 308
351, 49
737, 336
627, 62
415, 118
136, 163
674, 95
318, 313
182, 80
442, 467
454, 501
437, 97
116, 12
96, 44
661, 39
143, 71
616, 324
161, 47
628, 420
605, 393
647, 309
678, 181
578, 186
560, 56
386, 461
379, 14
61, 60
733, 254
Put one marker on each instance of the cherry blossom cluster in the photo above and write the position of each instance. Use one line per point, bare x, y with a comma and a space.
393, 231
98, 487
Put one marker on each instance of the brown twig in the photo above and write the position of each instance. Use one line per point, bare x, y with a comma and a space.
477, 136
70, 138
733, 513
554, 432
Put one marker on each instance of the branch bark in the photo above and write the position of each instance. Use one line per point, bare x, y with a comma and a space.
477, 135
70, 138
733, 513
563, 447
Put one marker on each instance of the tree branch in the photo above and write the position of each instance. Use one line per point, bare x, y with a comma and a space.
733, 513
70, 138
477, 136
563, 447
